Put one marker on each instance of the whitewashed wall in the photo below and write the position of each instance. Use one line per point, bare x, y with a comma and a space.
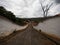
7, 27
51, 26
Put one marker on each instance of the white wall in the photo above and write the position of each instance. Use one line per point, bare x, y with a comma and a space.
51, 26
7, 27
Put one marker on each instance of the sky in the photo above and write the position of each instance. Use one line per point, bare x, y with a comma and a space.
30, 8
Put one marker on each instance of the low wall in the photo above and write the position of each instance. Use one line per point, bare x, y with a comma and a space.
7, 27
51, 26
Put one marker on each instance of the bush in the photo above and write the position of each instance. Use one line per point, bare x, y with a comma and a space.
11, 16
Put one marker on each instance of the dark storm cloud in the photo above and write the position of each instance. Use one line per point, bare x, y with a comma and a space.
57, 1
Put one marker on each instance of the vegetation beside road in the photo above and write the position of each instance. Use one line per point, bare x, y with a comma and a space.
22, 21
11, 16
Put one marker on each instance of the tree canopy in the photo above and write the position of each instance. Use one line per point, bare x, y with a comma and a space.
10, 16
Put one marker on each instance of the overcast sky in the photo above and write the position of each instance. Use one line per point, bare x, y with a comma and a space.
30, 8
